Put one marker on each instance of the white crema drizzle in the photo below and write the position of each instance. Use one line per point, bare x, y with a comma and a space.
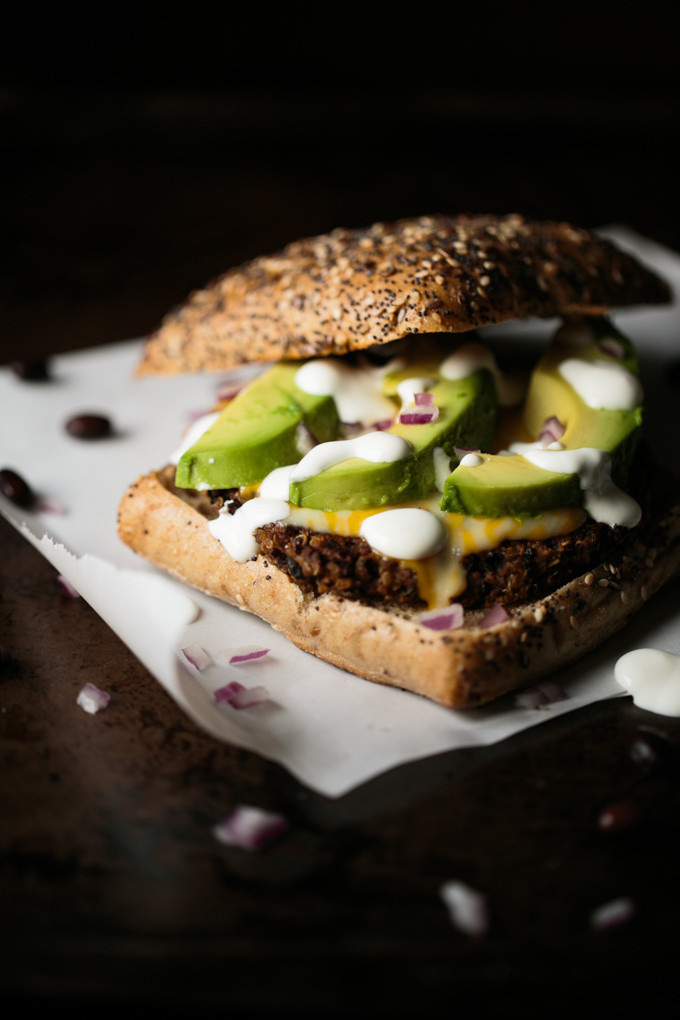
405, 533
417, 533
356, 390
471, 358
407, 389
652, 677
234, 531
602, 498
197, 429
602, 385
377, 447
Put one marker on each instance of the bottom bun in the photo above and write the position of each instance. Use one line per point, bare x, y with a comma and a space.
460, 668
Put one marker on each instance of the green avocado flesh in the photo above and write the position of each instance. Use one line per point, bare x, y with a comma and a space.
511, 485
259, 430
508, 486
549, 394
266, 425
467, 416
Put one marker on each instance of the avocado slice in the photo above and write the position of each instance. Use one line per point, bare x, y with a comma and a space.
604, 428
509, 484
262, 428
467, 417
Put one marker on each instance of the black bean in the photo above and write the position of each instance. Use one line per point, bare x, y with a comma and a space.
15, 488
31, 369
89, 426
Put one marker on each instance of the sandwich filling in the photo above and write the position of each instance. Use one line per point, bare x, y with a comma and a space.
430, 478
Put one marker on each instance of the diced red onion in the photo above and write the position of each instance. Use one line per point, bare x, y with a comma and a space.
497, 614
382, 425
227, 391
461, 451
613, 914
238, 696
91, 699
424, 399
552, 431
612, 347
541, 695
50, 505
305, 439
250, 828
467, 908
255, 653
67, 587
425, 417
450, 618
197, 656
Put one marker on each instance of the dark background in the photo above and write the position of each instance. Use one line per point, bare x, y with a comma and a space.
141, 154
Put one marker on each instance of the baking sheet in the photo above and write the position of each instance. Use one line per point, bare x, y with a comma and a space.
330, 729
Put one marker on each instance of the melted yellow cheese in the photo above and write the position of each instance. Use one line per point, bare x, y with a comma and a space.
441, 578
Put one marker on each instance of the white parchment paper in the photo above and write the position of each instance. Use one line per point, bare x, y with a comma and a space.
330, 729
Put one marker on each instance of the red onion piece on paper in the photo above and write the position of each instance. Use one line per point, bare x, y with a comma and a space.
467, 908
91, 699
197, 656
250, 828
49, 505
541, 695
613, 914
238, 696
248, 656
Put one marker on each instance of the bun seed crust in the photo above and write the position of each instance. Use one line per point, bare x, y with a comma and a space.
352, 289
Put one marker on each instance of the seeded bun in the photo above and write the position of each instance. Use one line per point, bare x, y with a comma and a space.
460, 668
352, 289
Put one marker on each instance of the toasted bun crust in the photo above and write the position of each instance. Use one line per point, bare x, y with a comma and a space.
352, 289
459, 669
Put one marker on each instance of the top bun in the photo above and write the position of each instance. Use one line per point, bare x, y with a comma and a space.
352, 289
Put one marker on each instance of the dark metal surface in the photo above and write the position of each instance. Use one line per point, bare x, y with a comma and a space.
113, 891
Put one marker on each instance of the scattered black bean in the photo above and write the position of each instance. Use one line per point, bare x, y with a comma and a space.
15, 488
31, 369
89, 426
620, 815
